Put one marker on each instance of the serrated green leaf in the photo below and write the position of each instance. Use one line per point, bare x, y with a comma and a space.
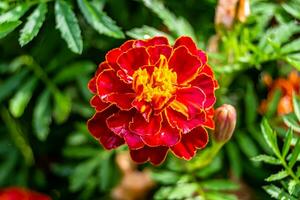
20, 100
183, 191
292, 9
7, 27
296, 106
102, 23
42, 116
295, 154
277, 193
8, 86
14, 14
291, 186
267, 159
278, 176
165, 177
146, 32
82, 172
291, 122
287, 143
219, 185
33, 24
269, 135
67, 23
162, 193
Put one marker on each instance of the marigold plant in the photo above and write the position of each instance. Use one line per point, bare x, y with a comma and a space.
154, 97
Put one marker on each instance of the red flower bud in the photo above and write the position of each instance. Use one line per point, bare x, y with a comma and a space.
225, 120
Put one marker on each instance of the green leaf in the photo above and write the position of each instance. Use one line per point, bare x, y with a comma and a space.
278, 176
82, 172
292, 61
99, 20
234, 155
291, 122
20, 100
292, 9
7, 27
277, 193
295, 154
162, 193
269, 136
218, 185
62, 107
250, 104
8, 86
14, 14
291, 47
246, 144
183, 191
42, 116
296, 106
291, 186
287, 143
179, 26
33, 24
80, 152
74, 71
219, 196
67, 23
272, 106
165, 177
146, 32
267, 159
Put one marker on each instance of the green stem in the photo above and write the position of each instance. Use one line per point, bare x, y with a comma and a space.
206, 157
288, 169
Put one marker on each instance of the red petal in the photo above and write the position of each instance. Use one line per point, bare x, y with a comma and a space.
184, 64
133, 59
141, 127
209, 123
112, 57
143, 107
159, 40
108, 83
118, 123
123, 101
156, 51
208, 71
124, 77
127, 45
190, 142
188, 43
167, 136
156, 155
98, 104
203, 57
180, 121
98, 128
92, 83
192, 98
206, 84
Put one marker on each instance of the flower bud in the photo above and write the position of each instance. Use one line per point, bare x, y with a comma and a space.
225, 121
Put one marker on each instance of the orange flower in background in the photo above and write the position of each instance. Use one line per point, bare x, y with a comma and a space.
153, 97
287, 87
16, 193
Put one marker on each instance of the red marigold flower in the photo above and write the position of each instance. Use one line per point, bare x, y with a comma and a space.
154, 97
16, 193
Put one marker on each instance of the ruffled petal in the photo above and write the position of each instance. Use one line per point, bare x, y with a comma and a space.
156, 51
208, 71
143, 107
159, 40
127, 45
98, 104
141, 127
132, 59
184, 64
112, 57
123, 101
124, 77
99, 130
189, 101
209, 123
92, 83
206, 84
190, 142
156, 155
178, 120
167, 136
118, 123
108, 83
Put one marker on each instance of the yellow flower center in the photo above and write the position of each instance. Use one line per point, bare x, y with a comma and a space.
160, 86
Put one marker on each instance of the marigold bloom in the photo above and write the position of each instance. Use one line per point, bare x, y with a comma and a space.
153, 97
16, 193
287, 87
